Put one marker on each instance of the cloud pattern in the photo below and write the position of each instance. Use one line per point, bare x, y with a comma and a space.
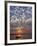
17, 12
21, 10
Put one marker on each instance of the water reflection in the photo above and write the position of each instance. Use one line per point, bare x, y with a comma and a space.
21, 33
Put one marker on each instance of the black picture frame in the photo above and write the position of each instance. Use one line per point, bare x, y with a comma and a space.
6, 22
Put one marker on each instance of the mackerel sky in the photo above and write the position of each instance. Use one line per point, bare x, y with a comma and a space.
24, 11
21, 11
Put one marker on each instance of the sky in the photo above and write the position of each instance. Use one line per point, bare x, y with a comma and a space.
17, 12
21, 10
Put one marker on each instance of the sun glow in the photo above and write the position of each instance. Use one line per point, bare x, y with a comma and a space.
19, 30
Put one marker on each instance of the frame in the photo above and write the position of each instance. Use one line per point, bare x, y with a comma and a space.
23, 30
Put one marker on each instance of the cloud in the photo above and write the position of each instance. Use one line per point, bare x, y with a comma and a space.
21, 10
28, 21
14, 19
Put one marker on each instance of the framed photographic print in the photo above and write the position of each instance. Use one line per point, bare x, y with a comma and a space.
20, 22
